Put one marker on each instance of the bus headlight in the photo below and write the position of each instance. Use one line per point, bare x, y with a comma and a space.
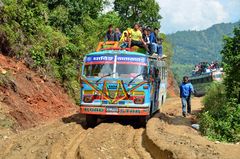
87, 99
138, 100
88, 92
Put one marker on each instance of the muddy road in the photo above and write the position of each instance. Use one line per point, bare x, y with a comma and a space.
166, 136
71, 139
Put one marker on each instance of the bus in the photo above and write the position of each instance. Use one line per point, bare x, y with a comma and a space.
202, 82
121, 83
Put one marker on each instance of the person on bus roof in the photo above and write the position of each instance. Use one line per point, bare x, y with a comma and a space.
110, 34
124, 41
186, 89
117, 34
136, 38
156, 45
145, 36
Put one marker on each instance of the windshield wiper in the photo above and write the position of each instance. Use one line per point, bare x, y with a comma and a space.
104, 76
135, 78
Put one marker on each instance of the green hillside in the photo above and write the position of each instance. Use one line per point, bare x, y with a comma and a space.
192, 47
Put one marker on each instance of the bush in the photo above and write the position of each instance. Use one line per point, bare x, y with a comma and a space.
215, 98
220, 117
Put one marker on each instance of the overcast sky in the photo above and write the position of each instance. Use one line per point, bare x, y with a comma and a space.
196, 14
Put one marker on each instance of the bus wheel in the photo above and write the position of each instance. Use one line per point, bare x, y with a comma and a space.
162, 100
143, 121
91, 120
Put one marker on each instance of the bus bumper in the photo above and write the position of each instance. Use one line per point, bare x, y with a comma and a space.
119, 111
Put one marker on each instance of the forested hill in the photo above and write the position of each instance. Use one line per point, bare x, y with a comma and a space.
191, 47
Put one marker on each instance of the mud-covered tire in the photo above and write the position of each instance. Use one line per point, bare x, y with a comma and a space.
142, 121
91, 120
199, 93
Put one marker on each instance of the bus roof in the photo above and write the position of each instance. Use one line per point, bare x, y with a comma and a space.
117, 52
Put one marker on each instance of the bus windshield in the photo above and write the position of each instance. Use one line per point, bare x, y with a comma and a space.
98, 70
130, 71
122, 70
119, 66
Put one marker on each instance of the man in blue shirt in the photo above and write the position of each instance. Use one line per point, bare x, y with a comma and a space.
155, 46
186, 89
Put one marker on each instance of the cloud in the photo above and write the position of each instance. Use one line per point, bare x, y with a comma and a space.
195, 14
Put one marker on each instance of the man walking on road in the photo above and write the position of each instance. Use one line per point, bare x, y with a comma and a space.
186, 89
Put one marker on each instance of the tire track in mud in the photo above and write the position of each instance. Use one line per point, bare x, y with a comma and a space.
41, 143
155, 151
113, 140
70, 140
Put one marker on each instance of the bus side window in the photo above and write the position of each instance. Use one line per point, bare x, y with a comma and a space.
157, 74
154, 72
151, 72
162, 73
165, 75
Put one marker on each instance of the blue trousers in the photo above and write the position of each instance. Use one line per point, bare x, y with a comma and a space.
186, 103
156, 48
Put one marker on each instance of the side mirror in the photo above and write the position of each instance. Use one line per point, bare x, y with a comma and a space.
79, 69
79, 65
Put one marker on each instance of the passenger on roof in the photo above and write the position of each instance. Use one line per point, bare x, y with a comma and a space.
125, 39
146, 34
136, 38
141, 28
156, 46
110, 34
117, 34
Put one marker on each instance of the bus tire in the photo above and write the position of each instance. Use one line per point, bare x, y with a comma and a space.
150, 112
143, 121
199, 93
91, 120
162, 102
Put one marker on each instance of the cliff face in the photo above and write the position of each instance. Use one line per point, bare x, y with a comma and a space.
29, 99
172, 85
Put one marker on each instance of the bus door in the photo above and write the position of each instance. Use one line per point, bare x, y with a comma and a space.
155, 81
158, 82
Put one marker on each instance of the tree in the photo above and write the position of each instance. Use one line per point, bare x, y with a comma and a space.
231, 61
66, 14
145, 12
220, 117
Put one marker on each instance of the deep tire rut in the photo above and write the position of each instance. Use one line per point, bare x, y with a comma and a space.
70, 140
155, 151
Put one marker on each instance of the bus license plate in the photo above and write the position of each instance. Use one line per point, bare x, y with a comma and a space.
112, 109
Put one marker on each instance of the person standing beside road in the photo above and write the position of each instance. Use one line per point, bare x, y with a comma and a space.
186, 89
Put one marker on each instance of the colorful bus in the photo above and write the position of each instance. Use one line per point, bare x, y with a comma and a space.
121, 83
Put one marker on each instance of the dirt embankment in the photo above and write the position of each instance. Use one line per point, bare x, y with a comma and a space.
174, 138
172, 87
29, 99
